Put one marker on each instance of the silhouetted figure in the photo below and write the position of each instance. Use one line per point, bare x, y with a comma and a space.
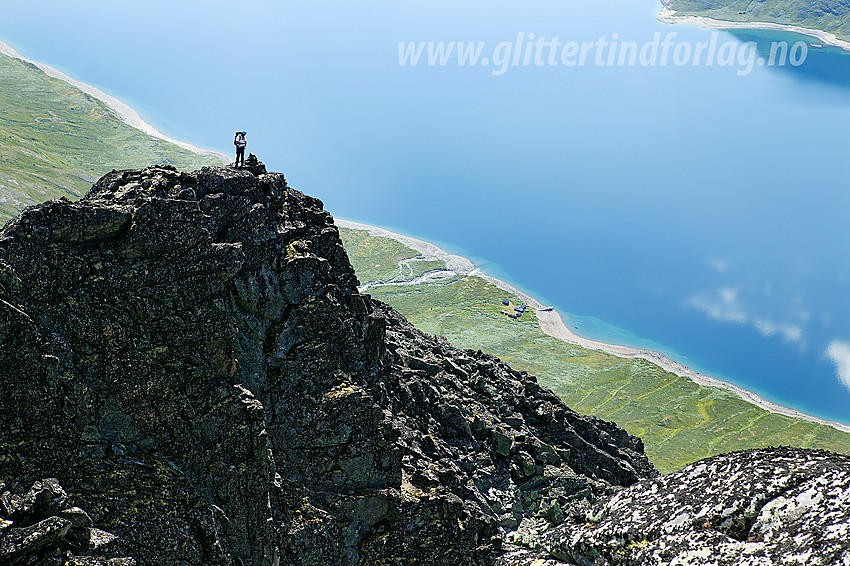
240, 142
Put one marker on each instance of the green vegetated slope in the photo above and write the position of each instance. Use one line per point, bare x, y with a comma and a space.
679, 421
827, 15
380, 257
55, 140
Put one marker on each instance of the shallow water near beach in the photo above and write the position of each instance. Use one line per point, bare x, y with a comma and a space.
691, 209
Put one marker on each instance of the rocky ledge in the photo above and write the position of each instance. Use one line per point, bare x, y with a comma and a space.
40, 527
189, 356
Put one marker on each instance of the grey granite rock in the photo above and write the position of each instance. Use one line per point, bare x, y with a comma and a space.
754, 508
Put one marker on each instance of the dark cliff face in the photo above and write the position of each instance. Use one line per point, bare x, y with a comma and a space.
186, 359
187, 354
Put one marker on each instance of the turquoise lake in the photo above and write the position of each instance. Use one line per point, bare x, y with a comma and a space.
701, 210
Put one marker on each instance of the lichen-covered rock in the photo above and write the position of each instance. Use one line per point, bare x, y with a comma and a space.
39, 528
754, 508
189, 355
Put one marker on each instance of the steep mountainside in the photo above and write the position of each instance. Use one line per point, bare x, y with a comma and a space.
188, 356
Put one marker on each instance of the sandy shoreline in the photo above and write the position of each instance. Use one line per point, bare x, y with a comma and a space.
124, 112
668, 16
551, 324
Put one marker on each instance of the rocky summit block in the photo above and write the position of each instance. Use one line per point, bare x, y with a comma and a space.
189, 356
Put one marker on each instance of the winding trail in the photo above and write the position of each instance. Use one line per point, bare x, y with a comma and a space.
427, 277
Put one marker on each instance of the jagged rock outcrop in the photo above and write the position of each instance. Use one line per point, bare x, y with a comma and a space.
188, 354
753, 508
40, 527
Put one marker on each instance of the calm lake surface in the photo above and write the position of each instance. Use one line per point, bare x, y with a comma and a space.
701, 210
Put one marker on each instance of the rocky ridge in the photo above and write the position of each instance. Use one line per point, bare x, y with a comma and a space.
188, 354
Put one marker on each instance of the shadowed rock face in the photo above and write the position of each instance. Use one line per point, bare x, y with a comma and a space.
189, 356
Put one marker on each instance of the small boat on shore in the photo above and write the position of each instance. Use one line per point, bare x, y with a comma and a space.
549, 308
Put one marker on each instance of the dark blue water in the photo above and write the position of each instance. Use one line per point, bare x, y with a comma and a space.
690, 208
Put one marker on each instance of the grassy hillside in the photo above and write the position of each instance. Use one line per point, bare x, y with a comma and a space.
679, 421
827, 15
55, 140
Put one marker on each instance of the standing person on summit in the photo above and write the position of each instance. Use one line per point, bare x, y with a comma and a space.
240, 142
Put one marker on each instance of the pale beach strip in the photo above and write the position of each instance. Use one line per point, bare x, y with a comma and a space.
669, 16
552, 325
124, 112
